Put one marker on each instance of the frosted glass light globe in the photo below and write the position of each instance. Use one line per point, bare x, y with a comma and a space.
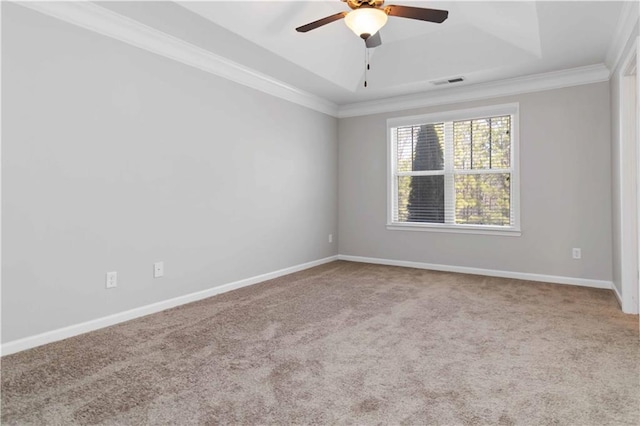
365, 21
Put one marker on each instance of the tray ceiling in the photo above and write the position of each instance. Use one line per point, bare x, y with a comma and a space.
481, 41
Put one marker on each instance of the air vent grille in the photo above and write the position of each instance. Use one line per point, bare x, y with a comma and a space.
449, 81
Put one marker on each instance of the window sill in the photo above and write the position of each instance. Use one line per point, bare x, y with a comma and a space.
456, 229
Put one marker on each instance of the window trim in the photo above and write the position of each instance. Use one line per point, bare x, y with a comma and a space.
511, 109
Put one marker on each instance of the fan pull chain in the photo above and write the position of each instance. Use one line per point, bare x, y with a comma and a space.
366, 61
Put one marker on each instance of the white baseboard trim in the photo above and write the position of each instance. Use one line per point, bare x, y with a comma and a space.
584, 282
85, 327
617, 293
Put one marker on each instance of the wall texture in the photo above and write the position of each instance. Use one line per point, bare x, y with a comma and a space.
565, 178
114, 158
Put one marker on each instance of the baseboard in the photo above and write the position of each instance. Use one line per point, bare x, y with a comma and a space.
617, 293
488, 272
85, 327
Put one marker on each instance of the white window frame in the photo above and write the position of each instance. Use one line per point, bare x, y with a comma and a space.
511, 109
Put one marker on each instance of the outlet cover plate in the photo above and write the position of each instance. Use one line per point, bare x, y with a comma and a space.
577, 253
111, 280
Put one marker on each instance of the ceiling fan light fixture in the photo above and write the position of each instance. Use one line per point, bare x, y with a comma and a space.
365, 21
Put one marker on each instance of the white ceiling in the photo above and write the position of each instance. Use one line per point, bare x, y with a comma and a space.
480, 41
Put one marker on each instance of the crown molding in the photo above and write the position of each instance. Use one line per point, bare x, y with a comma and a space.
628, 19
111, 24
513, 86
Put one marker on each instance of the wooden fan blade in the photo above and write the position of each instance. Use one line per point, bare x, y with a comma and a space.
374, 40
432, 15
320, 22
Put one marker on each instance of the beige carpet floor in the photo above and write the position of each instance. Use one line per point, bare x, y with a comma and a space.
346, 343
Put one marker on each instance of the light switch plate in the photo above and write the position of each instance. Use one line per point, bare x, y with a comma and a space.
158, 269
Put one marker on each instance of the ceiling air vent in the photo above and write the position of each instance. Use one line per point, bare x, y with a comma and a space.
449, 81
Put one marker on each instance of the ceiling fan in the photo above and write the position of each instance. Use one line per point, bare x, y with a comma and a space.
368, 16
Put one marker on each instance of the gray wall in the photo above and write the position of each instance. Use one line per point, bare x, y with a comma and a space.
114, 158
565, 175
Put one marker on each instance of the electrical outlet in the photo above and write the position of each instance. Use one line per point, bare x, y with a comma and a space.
111, 280
158, 269
330, 238
577, 253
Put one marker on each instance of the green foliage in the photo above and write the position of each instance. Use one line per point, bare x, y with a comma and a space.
426, 197
482, 144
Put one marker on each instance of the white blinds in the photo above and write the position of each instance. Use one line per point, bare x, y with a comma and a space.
420, 173
454, 172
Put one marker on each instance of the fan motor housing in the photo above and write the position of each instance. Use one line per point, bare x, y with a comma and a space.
356, 4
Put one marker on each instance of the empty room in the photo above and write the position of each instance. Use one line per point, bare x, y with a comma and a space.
320, 212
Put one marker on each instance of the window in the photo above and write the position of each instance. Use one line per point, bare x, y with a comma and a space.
455, 171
